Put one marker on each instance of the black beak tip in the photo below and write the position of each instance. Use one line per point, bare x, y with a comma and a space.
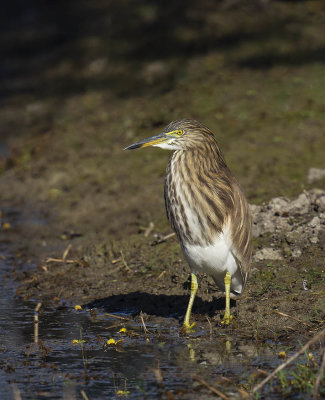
132, 146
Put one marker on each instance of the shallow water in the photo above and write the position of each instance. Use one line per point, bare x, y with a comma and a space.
56, 368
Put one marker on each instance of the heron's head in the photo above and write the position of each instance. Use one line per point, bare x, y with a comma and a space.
178, 135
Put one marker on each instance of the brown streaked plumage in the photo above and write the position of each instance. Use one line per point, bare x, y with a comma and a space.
206, 207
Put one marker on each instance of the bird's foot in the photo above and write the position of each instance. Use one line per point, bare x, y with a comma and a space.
187, 327
227, 319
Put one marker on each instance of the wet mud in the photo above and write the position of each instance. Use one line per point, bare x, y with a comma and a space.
83, 223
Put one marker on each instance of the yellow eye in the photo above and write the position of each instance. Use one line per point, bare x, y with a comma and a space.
179, 133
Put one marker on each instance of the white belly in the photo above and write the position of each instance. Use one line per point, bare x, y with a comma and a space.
215, 260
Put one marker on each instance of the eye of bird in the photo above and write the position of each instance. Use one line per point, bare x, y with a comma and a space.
180, 132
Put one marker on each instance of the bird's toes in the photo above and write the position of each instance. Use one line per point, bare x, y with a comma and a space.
227, 319
187, 328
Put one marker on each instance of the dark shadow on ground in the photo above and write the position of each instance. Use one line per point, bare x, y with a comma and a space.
159, 305
270, 59
56, 49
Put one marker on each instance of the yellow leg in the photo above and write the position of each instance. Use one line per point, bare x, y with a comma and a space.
192, 352
227, 318
194, 286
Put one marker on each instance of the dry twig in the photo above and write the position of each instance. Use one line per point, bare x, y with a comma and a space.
159, 377
211, 388
64, 257
295, 319
149, 229
112, 271
162, 274
39, 305
83, 394
66, 252
317, 337
117, 317
60, 260
210, 325
16, 392
319, 377
144, 327
163, 239
123, 261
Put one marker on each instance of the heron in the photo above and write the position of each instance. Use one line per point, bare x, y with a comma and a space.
206, 208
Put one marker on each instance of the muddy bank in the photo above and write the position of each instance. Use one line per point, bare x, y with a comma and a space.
82, 221
144, 280
148, 274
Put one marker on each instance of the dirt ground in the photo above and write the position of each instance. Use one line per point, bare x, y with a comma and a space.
85, 221
139, 273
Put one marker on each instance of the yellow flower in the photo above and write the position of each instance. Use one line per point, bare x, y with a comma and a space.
78, 341
122, 330
111, 341
6, 225
122, 393
77, 307
282, 354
